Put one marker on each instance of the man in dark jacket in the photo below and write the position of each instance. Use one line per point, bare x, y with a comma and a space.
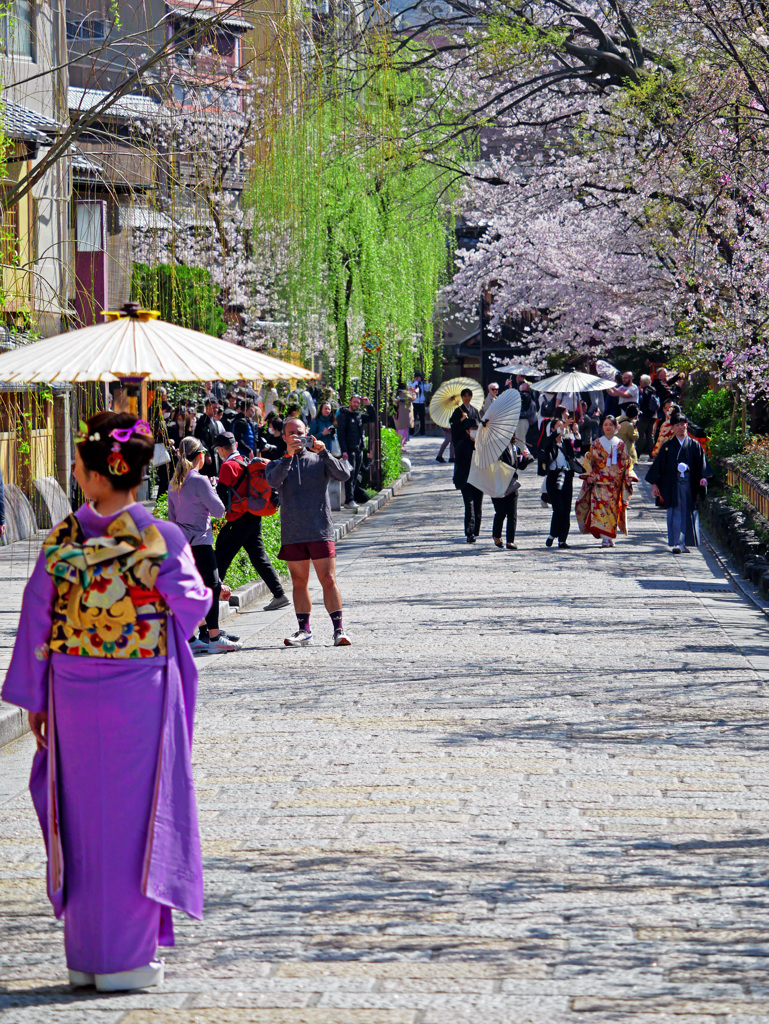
207, 432
665, 389
648, 408
679, 475
244, 432
464, 419
351, 434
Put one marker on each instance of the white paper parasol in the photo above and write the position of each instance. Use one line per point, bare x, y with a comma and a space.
518, 368
140, 345
448, 397
497, 428
606, 369
572, 383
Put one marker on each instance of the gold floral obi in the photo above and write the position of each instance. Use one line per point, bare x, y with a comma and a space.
106, 602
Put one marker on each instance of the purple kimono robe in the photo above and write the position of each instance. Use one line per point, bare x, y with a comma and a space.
114, 791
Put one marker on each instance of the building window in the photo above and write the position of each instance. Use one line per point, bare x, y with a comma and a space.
9, 235
17, 28
87, 28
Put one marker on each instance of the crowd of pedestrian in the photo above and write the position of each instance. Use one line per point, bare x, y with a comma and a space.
236, 455
599, 437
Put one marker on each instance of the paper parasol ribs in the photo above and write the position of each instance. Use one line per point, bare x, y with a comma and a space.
447, 398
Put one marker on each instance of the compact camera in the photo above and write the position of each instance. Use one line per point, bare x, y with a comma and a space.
306, 441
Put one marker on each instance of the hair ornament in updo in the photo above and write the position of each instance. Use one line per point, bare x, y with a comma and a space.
124, 434
116, 464
82, 435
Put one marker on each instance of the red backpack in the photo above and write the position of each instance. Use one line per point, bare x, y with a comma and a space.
257, 497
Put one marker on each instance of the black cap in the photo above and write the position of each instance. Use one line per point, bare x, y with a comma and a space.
226, 438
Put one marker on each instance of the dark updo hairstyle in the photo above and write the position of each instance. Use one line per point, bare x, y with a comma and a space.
137, 451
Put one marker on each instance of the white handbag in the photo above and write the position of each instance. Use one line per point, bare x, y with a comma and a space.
160, 455
494, 481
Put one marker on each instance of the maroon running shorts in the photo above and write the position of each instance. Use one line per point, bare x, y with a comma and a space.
306, 550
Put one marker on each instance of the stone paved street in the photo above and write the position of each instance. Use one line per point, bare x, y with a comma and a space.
534, 790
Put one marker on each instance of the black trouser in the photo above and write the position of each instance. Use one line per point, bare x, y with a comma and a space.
205, 560
246, 532
356, 458
505, 508
561, 502
589, 430
162, 477
473, 499
419, 419
645, 441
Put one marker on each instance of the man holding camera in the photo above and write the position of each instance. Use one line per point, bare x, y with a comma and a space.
301, 478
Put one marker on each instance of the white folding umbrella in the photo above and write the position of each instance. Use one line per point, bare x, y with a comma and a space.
572, 383
137, 345
497, 428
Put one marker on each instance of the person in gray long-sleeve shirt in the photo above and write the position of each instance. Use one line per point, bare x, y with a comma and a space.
301, 477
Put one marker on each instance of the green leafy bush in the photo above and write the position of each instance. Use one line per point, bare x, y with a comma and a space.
392, 453
725, 443
712, 409
241, 571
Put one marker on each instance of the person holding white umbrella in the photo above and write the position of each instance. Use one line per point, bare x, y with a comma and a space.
465, 419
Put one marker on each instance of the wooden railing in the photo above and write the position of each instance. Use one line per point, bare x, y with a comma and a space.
750, 487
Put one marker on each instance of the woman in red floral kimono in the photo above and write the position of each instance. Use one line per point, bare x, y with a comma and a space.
606, 488
666, 430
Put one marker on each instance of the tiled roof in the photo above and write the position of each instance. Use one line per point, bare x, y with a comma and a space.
202, 12
28, 125
129, 105
82, 165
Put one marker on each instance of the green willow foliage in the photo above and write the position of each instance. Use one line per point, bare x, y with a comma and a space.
184, 295
364, 225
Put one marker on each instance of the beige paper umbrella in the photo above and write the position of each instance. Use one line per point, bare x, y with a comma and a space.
448, 397
136, 344
497, 428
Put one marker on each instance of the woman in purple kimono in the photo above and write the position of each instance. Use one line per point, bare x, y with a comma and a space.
102, 665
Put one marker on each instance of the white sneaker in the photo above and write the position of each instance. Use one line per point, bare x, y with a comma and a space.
222, 645
198, 646
81, 979
299, 639
341, 639
124, 981
350, 504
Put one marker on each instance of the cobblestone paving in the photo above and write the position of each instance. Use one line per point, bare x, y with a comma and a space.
534, 790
